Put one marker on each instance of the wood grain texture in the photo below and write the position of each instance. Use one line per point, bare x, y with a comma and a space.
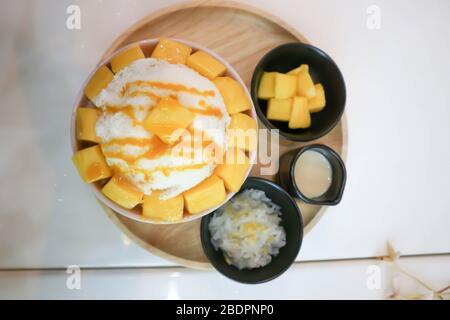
241, 35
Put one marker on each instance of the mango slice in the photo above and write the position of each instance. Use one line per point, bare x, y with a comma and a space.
124, 58
120, 190
207, 194
266, 88
85, 123
305, 84
299, 69
206, 65
167, 119
172, 51
242, 132
91, 164
169, 210
300, 117
295, 96
285, 86
234, 169
279, 109
101, 78
233, 95
317, 103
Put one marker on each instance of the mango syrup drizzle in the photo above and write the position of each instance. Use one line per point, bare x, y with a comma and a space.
148, 174
192, 140
127, 110
168, 86
156, 147
205, 110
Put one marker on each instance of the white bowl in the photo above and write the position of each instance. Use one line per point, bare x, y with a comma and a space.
81, 100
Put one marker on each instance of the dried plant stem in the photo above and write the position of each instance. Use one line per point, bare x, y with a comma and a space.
442, 291
392, 259
409, 275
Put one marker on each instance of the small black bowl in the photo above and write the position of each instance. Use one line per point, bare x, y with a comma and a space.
334, 193
322, 69
292, 223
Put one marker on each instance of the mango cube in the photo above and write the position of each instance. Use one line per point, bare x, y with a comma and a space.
120, 190
206, 65
266, 88
279, 109
233, 94
300, 117
207, 194
124, 58
172, 51
317, 103
167, 119
91, 164
285, 86
169, 210
85, 123
234, 169
299, 69
242, 132
305, 84
101, 78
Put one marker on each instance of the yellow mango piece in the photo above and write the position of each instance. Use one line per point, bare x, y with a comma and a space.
317, 103
206, 65
207, 194
91, 164
85, 123
266, 88
242, 132
300, 117
169, 210
234, 169
285, 86
233, 95
172, 51
101, 78
305, 84
279, 109
120, 190
299, 69
167, 118
124, 58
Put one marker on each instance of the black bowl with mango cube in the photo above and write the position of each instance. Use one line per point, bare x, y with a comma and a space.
298, 89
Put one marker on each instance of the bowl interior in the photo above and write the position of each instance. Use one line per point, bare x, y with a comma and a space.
147, 47
322, 69
291, 222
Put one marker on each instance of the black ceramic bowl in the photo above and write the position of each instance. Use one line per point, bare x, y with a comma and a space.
292, 223
322, 69
334, 193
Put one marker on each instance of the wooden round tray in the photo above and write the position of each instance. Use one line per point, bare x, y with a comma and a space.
241, 35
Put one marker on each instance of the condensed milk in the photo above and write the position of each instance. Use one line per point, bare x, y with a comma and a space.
313, 174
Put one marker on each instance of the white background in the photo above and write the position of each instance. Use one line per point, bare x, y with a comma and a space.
398, 112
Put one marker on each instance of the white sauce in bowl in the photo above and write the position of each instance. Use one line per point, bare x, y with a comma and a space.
313, 174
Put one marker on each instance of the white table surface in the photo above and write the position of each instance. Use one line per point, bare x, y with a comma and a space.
398, 113
310, 280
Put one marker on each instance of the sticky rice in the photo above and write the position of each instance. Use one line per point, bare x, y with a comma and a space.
247, 230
